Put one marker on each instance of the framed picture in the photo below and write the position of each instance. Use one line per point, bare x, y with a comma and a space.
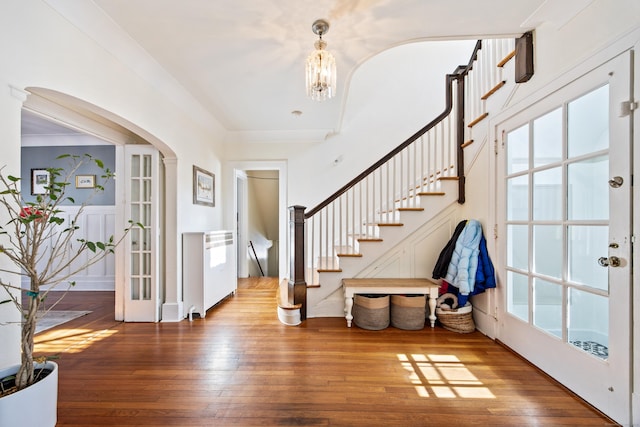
39, 181
85, 181
204, 187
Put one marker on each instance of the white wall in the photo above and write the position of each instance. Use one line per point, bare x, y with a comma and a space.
41, 49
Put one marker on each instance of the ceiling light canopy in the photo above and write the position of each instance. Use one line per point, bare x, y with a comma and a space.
321, 66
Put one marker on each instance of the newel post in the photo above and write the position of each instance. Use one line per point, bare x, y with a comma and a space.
297, 285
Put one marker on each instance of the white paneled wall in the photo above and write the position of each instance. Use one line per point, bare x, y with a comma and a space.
97, 223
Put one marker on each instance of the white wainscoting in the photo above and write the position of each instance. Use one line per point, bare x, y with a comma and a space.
97, 223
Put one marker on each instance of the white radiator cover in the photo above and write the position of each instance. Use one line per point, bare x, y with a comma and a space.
209, 269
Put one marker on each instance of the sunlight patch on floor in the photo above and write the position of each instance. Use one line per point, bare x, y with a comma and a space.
443, 376
69, 340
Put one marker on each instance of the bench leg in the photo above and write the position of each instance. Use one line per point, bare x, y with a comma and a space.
348, 305
432, 308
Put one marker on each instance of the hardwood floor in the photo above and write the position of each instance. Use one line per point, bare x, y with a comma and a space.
240, 366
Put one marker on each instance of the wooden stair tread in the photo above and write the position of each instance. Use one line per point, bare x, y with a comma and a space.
506, 59
350, 255
282, 297
478, 120
448, 178
389, 224
467, 143
432, 193
328, 270
493, 90
411, 209
369, 239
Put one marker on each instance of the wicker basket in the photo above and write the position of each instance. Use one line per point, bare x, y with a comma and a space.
371, 311
408, 311
457, 320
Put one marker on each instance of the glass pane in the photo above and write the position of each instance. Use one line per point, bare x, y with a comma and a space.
547, 138
146, 244
518, 295
518, 150
586, 245
135, 264
135, 239
146, 190
147, 166
547, 250
146, 288
518, 247
547, 308
518, 198
135, 190
135, 166
135, 288
547, 194
146, 214
588, 189
588, 123
588, 326
135, 213
146, 263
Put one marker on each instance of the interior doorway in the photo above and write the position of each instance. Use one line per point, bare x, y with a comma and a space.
260, 218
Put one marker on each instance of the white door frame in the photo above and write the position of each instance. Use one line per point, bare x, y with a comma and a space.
241, 214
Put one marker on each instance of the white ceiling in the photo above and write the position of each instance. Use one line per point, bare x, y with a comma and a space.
242, 61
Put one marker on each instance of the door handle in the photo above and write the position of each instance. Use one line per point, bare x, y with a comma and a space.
616, 182
613, 261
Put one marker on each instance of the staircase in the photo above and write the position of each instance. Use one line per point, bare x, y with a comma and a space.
348, 235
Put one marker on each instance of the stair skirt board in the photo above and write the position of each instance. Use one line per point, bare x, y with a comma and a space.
331, 306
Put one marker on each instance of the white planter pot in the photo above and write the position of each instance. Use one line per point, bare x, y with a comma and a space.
35, 406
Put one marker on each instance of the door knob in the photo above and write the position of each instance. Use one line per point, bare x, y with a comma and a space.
616, 181
613, 261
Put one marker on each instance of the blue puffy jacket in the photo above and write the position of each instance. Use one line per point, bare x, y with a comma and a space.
464, 260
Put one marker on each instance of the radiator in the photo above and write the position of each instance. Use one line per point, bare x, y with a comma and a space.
208, 269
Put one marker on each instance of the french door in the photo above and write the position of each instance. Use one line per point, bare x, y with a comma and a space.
142, 293
564, 227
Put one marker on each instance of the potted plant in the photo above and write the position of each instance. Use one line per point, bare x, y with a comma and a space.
44, 248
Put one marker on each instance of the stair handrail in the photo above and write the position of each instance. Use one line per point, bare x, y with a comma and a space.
458, 74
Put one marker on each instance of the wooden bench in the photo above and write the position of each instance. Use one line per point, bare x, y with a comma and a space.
389, 286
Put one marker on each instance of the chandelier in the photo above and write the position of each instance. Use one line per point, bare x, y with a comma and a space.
321, 66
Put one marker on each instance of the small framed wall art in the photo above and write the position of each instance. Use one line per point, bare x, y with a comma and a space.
204, 187
85, 181
39, 181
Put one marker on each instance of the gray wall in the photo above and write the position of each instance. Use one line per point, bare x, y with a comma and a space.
45, 157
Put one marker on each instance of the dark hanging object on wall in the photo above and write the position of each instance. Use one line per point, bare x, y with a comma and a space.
524, 58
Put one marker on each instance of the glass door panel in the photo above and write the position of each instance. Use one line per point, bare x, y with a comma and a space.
547, 309
588, 326
547, 139
584, 242
547, 250
586, 183
518, 292
588, 123
547, 194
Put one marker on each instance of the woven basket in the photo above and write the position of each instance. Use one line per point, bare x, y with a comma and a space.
457, 320
408, 311
371, 311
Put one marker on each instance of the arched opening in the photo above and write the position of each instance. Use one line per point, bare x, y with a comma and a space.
79, 124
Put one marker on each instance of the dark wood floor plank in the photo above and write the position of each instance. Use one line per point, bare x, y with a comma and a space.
239, 366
